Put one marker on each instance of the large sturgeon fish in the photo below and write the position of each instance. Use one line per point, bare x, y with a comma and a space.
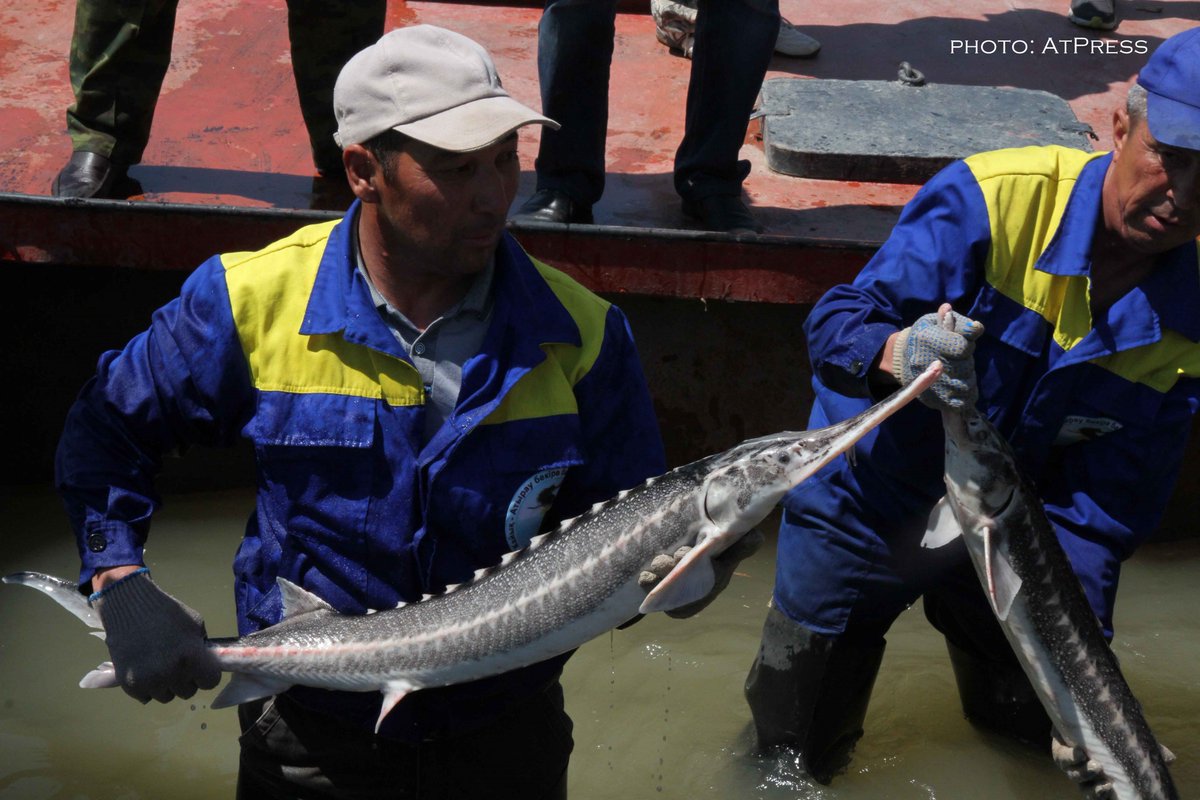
564, 589
1042, 607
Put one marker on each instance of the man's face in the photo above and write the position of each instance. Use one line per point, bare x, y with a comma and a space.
1152, 191
444, 212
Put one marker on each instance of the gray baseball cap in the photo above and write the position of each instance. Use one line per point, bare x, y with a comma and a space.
431, 84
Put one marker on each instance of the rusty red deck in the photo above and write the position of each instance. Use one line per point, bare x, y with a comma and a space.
228, 164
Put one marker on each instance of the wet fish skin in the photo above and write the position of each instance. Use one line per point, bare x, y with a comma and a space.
566, 588
1042, 608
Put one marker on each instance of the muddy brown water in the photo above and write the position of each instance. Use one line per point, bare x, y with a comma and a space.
658, 708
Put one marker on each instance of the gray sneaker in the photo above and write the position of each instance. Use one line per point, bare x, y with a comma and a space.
792, 42
1099, 15
675, 24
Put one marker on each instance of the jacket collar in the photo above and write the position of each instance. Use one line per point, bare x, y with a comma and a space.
526, 309
1169, 298
1069, 251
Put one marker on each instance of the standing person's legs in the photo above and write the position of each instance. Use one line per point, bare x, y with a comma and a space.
733, 46
324, 34
575, 48
119, 56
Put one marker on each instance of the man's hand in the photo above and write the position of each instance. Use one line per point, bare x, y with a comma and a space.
156, 642
723, 567
945, 336
1090, 776
1074, 761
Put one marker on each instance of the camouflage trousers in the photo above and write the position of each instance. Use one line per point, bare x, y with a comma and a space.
121, 49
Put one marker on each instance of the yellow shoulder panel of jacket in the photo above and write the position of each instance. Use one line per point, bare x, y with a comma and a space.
548, 389
269, 292
1026, 190
1158, 364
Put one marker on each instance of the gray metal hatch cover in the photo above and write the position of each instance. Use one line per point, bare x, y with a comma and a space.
890, 132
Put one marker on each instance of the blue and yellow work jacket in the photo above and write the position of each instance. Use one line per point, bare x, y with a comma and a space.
1098, 410
285, 347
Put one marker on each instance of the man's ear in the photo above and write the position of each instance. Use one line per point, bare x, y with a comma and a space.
362, 171
1121, 129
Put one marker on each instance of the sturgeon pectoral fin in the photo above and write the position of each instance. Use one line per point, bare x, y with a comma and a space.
393, 693
102, 677
243, 688
692, 579
943, 527
1003, 582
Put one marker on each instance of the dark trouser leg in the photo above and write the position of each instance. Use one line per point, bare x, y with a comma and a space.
995, 693
575, 48
809, 692
119, 56
734, 43
324, 34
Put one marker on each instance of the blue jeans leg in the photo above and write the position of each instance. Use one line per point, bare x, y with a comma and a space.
575, 48
734, 43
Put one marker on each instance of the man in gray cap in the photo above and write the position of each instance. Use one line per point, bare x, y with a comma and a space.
406, 374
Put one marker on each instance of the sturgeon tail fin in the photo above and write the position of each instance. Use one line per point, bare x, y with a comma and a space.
67, 595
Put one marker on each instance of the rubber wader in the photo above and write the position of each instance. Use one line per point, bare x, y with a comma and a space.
809, 692
995, 693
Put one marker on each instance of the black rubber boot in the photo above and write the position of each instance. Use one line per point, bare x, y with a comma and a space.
994, 691
809, 692
998, 697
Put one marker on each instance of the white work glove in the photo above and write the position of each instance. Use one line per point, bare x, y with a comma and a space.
156, 642
723, 568
948, 337
1088, 774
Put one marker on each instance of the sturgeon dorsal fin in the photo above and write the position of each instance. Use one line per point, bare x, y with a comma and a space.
297, 601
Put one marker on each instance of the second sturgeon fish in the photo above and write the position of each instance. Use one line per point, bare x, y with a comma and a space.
1042, 608
566, 588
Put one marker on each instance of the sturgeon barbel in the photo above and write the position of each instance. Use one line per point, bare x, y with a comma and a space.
1042, 608
564, 589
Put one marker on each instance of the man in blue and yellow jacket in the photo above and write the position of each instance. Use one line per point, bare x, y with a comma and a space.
422, 396
1072, 282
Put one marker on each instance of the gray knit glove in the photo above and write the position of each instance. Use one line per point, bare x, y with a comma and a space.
944, 336
156, 642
